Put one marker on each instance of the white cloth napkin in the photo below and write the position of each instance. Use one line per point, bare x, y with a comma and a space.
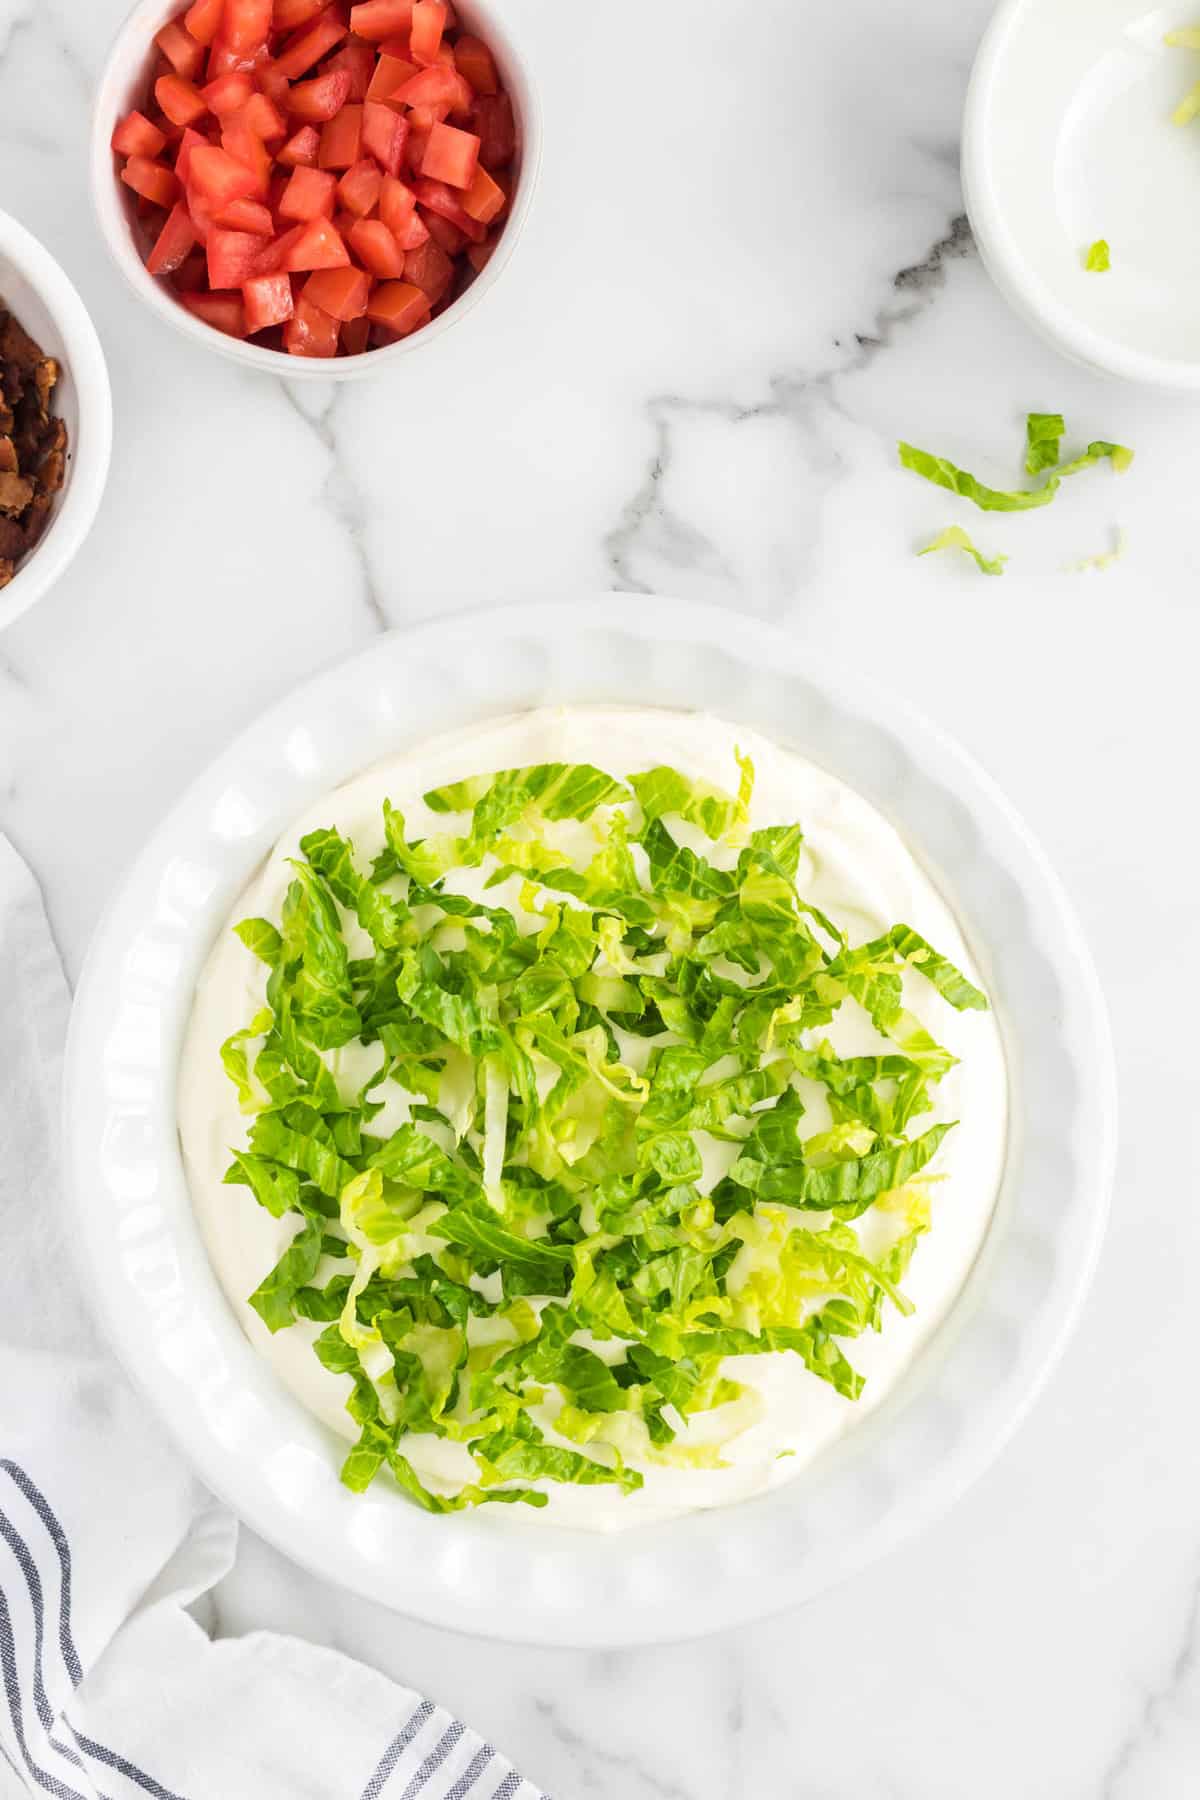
109, 1689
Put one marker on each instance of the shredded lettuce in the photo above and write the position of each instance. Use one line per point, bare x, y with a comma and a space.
955, 538
1097, 260
1043, 434
537, 1260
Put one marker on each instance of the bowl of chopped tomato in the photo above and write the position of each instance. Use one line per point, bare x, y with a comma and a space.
336, 182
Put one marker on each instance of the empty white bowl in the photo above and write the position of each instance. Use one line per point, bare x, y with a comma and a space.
1068, 138
123, 86
37, 292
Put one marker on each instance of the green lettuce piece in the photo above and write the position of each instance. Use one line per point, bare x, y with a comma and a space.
955, 538
1043, 441
272, 1299
947, 475
1097, 260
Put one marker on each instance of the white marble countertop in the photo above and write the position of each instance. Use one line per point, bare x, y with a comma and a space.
745, 277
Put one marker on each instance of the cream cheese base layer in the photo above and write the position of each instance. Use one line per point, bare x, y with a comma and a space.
855, 867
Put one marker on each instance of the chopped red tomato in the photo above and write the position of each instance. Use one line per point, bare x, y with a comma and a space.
376, 248
173, 242
341, 138
360, 186
310, 332
425, 32
203, 19
310, 194
267, 300
302, 150
342, 293
451, 155
246, 215
398, 306
473, 60
152, 180
378, 19
136, 136
225, 311
181, 50
329, 173
319, 246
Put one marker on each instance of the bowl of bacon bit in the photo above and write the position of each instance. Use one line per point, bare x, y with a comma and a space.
55, 420
315, 179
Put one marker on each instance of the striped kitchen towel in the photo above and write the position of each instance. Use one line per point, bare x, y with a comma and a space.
109, 1689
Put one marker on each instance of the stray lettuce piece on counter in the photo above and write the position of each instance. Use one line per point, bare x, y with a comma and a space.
1043, 441
1097, 260
955, 538
1043, 438
541, 1191
1104, 559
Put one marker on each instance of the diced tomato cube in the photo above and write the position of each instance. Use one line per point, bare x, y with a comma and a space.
429, 87
310, 332
399, 306
203, 19
152, 180
275, 255
378, 19
301, 151
342, 293
225, 311
217, 178
376, 248
390, 73
341, 138
246, 215
263, 118
182, 103
228, 92
173, 242
191, 277
345, 222
223, 59
411, 233
448, 236
485, 199
181, 50
425, 32
246, 24
310, 194
191, 140
355, 334
273, 84
136, 136
288, 14
248, 148
233, 257
396, 202
310, 45
436, 197
319, 246
451, 155
358, 60
429, 268
480, 255
268, 301
318, 100
493, 121
383, 135
360, 187
473, 59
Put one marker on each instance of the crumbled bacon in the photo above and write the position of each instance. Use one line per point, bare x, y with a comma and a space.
33, 443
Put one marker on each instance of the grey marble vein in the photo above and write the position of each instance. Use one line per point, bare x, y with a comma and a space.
340, 495
636, 1778
1161, 1708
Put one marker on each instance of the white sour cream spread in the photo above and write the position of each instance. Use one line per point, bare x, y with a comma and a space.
854, 866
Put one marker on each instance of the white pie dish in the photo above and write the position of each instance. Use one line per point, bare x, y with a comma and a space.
271, 1460
1067, 139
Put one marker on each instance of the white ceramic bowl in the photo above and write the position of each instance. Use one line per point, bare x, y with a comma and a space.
254, 1443
1068, 138
34, 288
123, 85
